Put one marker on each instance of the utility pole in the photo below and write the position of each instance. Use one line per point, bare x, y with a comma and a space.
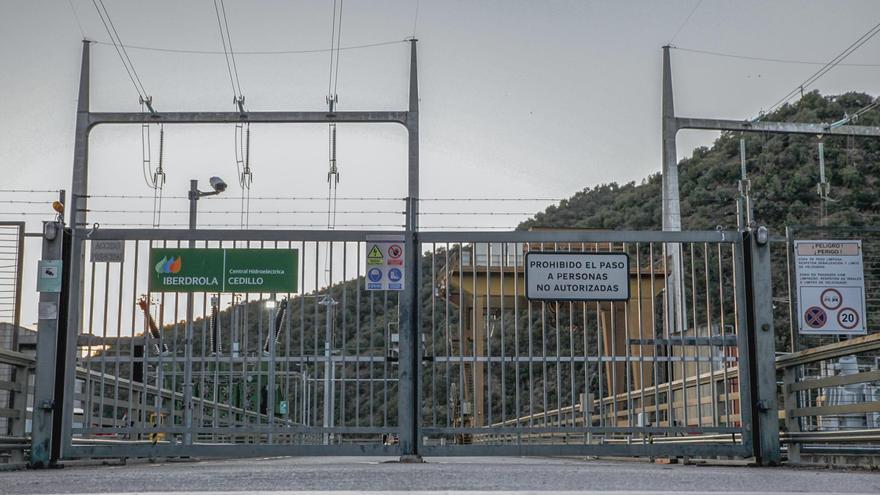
194, 194
408, 391
188, 343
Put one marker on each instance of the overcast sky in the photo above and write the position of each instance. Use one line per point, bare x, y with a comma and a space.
519, 99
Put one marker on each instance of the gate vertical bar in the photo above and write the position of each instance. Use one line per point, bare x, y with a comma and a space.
47, 342
408, 402
79, 197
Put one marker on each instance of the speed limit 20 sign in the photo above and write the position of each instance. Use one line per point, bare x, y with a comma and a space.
830, 287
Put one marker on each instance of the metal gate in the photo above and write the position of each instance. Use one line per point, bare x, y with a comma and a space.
305, 373
504, 375
319, 372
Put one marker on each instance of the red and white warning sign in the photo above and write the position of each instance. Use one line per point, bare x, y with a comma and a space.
830, 287
395, 254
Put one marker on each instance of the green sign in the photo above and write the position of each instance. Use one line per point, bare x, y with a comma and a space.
223, 270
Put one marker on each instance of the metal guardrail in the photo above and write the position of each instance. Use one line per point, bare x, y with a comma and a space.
806, 402
12, 447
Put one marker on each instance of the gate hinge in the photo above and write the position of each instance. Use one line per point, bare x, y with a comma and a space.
46, 405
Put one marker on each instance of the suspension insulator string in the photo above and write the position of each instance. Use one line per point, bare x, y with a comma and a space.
159, 180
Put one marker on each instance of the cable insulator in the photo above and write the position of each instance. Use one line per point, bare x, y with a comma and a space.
247, 155
215, 325
160, 170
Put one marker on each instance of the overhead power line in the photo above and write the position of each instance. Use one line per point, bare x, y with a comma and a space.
228, 51
416, 19
765, 59
104, 14
335, 35
799, 89
76, 18
684, 23
257, 52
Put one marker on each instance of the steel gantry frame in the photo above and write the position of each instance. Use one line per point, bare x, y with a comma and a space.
766, 424
87, 120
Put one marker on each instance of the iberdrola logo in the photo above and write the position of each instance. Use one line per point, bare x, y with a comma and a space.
168, 265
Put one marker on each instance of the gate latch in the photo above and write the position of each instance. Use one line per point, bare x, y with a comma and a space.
47, 405
762, 406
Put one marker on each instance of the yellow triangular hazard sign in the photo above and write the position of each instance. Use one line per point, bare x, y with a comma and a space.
375, 255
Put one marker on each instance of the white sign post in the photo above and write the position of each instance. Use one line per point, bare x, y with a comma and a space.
385, 268
577, 276
830, 287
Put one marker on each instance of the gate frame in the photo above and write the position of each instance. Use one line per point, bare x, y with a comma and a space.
87, 120
751, 442
229, 450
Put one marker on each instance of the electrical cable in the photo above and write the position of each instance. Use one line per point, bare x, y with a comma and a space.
185, 51
262, 212
824, 70
764, 59
338, 39
224, 38
120, 50
29, 190
855, 116
231, 50
312, 225
416, 19
76, 18
221, 198
686, 19
492, 199
242, 131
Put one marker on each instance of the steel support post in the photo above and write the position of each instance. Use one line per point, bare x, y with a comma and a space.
762, 348
408, 400
77, 218
50, 306
670, 201
188, 339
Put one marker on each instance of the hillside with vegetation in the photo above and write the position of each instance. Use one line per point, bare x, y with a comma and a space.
783, 169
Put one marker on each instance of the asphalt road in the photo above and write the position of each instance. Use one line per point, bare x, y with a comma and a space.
288, 475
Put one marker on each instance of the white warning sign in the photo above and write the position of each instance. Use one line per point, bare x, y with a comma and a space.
577, 276
830, 287
384, 255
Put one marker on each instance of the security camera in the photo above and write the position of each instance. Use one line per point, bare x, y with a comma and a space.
217, 184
